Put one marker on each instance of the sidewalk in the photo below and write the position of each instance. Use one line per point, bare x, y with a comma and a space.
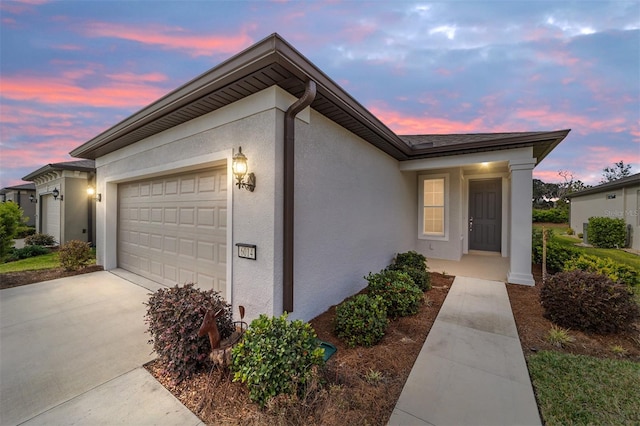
471, 369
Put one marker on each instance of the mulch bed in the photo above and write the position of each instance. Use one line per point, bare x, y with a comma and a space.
16, 279
362, 385
533, 328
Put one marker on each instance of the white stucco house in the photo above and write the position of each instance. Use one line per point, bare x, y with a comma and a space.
337, 193
22, 195
619, 199
63, 207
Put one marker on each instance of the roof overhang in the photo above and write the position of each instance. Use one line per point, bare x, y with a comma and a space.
269, 62
273, 61
81, 166
625, 182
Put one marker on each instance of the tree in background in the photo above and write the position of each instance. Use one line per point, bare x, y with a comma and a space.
618, 171
10, 219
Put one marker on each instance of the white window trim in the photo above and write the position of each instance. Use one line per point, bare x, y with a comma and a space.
421, 234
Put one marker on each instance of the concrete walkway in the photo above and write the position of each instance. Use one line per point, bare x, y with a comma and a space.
471, 369
71, 352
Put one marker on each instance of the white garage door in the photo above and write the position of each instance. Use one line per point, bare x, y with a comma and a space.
172, 229
50, 214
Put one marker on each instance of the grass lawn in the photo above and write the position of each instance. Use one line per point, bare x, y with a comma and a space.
619, 256
45, 261
577, 389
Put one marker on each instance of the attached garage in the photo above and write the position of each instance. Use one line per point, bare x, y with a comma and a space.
173, 229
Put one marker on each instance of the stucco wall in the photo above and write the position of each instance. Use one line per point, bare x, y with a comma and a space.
75, 212
625, 206
252, 217
354, 210
21, 198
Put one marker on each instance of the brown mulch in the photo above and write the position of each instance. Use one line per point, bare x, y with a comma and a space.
533, 328
362, 385
16, 279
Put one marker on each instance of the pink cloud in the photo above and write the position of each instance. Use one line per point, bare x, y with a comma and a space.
126, 92
545, 117
405, 124
173, 38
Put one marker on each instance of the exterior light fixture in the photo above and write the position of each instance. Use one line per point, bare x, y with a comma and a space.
91, 191
239, 167
56, 194
33, 198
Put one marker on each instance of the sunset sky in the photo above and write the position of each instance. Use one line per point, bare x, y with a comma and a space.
71, 69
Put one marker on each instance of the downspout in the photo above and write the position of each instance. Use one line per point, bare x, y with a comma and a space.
289, 191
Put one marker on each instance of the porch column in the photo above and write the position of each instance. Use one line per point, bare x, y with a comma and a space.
520, 222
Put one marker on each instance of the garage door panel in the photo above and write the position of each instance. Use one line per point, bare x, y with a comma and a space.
173, 229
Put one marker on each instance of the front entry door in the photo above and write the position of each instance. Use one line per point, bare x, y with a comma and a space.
485, 214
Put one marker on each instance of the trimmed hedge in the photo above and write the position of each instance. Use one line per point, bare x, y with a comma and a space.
617, 272
606, 232
554, 215
401, 296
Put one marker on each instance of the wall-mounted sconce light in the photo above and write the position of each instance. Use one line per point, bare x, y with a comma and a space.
92, 193
239, 167
56, 194
33, 198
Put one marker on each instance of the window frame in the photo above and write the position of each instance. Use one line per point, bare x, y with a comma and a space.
444, 236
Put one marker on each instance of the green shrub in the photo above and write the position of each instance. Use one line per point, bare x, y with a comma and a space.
275, 357
40, 240
587, 301
26, 252
617, 272
580, 235
606, 232
174, 316
555, 215
75, 255
570, 231
557, 256
411, 259
10, 220
415, 265
362, 320
401, 296
24, 231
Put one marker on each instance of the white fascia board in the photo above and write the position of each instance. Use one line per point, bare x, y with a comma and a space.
511, 155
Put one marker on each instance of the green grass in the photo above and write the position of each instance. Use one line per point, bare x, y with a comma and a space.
45, 261
577, 389
619, 256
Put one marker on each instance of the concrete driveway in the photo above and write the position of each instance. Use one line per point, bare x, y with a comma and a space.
71, 352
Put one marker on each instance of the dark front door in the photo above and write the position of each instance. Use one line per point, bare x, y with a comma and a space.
485, 214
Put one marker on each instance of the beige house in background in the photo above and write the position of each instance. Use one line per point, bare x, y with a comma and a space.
337, 193
22, 196
63, 208
619, 199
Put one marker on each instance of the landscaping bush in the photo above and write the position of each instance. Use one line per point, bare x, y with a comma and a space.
362, 320
606, 232
411, 259
414, 264
26, 252
276, 357
40, 240
75, 255
617, 272
398, 291
588, 302
10, 220
554, 215
557, 255
24, 231
174, 316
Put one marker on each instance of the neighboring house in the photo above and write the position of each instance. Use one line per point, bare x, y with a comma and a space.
171, 210
64, 209
619, 199
22, 195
